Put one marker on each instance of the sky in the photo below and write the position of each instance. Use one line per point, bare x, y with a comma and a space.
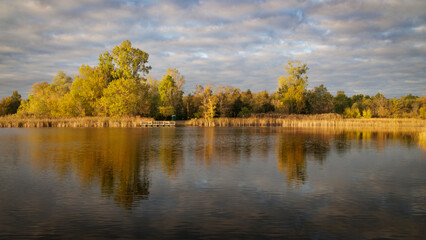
356, 46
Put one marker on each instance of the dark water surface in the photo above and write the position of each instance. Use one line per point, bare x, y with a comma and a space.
214, 183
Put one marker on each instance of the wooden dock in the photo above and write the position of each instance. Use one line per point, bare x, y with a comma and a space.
158, 124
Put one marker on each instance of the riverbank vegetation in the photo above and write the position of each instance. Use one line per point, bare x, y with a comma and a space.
119, 86
313, 121
99, 122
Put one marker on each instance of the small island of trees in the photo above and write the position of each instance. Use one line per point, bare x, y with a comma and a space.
120, 85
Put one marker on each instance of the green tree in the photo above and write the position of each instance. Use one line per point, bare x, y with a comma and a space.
177, 94
70, 106
353, 112
262, 102
366, 113
245, 112
10, 105
197, 101
422, 112
226, 97
247, 99
88, 88
396, 107
191, 106
292, 87
319, 100
122, 97
128, 61
171, 93
166, 88
380, 106
46, 100
341, 102
124, 63
59, 87
37, 104
357, 98
61, 83
153, 97
166, 111
237, 105
177, 78
106, 66
4, 105
410, 106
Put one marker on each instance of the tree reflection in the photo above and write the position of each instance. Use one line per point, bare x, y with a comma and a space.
318, 146
116, 159
422, 140
205, 145
296, 145
291, 158
170, 155
120, 160
341, 143
379, 140
228, 146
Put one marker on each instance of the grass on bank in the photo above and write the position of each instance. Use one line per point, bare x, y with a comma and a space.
265, 120
318, 120
12, 121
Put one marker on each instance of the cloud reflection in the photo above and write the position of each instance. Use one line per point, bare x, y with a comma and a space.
122, 161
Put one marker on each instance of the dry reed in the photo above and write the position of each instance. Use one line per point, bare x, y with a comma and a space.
98, 122
312, 121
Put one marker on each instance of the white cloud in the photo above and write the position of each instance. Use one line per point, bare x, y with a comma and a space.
349, 45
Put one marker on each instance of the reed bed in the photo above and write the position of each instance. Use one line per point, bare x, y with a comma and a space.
311, 121
303, 121
96, 122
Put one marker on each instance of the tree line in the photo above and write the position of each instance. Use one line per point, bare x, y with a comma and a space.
120, 86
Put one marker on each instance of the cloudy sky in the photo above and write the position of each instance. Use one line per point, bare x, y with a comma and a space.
357, 46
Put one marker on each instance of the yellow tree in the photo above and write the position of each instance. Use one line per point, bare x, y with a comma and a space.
129, 61
292, 87
177, 78
87, 88
127, 91
46, 99
121, 98
166, 88
171, 93
209, 102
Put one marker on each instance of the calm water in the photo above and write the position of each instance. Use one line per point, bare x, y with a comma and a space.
211, 183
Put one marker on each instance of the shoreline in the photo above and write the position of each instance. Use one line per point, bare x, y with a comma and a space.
82, 122
292, 121
306, 122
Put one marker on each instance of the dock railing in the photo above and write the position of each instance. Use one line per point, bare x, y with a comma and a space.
158, 124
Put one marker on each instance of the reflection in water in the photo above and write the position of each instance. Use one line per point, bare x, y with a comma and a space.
293, 149
115, 158
204, 148
120, 160
295, 145
422, 140
379, 140
212, 183
171, 156
229, 146
291, 158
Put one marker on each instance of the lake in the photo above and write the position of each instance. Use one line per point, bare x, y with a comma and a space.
211, 183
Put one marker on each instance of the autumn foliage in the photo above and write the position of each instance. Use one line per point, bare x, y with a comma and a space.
120, 85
